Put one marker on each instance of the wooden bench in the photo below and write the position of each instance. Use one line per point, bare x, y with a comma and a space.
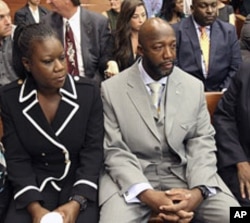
239, 21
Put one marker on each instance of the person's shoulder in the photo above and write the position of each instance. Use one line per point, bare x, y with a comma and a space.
44, 9
224, 25
79, 80
93, 15
185, 77
13, 86
185, 22
21, 10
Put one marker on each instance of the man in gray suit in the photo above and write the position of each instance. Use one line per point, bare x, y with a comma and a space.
91, 34
159, 157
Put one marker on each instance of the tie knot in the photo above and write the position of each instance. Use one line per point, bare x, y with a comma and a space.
202, 29
155, 87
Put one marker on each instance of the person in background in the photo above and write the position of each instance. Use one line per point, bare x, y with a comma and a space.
32, 12
92, 37
7, 73
160, 154
172, 11
232, 125
244, 7
153, 7
4, 186
53, 133
226, 12
187, 7
245, 40
207, 47
132, 15
112, 13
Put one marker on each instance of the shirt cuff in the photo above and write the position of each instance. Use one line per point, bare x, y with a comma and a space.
131, 195
212, 191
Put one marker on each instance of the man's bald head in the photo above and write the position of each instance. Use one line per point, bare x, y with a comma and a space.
157, 46
151, 28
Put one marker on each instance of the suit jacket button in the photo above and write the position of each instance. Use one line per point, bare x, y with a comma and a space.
66, 161
76, 78
157, 148
43, 154
46, 164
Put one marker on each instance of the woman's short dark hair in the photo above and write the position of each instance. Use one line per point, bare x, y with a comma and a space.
24, 37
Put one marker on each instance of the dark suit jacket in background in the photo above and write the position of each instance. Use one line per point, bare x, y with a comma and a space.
232, 120
225, 57
232, 124
24, 15
96, 40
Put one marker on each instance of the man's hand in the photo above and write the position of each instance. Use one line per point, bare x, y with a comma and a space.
179, 197
244, 179
112, 69
175, 212
176, 195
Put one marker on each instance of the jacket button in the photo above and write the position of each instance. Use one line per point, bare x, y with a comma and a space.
67, 161
43, 154
46, 164
157, 148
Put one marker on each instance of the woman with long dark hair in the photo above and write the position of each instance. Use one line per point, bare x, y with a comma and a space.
132, 15
172, 11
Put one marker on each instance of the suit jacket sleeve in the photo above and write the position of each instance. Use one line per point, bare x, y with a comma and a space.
230, 120
20, 171
120, 162
20, 17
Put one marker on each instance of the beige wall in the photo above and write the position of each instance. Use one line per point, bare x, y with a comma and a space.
95, 5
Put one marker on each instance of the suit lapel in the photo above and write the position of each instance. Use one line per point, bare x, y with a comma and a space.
194, 40
29, 16
214, 40
138, 95
86, 33
173, 100
32, 110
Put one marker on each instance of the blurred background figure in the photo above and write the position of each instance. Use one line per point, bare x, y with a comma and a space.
113, 12
245, 40
31, 13
153, 7
187, 9
226, 12
132, 15
244, 8
172, 11
6, 30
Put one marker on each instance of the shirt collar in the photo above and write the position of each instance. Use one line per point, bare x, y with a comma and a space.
146, 78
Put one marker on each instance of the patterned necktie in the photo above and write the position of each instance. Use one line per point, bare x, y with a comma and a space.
155, 88
204, 44
70, 49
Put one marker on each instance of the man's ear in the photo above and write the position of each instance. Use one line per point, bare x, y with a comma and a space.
26, 63
139, 50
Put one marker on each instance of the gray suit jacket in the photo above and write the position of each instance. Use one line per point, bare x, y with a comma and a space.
24, 15
96, 40
132, 141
